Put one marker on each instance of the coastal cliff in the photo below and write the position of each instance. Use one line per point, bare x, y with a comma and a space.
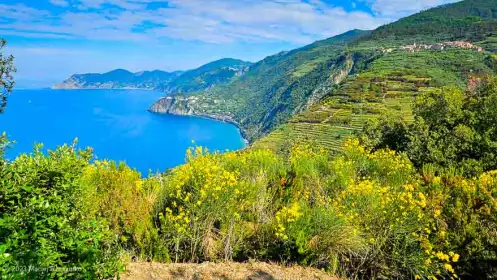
185, 106
172, 105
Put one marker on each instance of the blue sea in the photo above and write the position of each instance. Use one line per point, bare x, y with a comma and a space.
115, 123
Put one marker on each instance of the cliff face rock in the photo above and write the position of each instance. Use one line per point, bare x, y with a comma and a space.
71, 83
186, 106
172, 105
190, 106
341, 70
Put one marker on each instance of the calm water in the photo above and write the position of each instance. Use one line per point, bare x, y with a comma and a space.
114, 122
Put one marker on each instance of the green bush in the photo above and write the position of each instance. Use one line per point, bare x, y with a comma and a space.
465, 212
45, 232
452, 129
361, 214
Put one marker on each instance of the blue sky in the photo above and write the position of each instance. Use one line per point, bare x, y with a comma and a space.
52, 39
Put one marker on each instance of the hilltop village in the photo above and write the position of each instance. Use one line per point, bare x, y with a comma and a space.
436, 47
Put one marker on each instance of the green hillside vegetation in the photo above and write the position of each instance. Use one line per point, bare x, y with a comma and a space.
278, 86
389, 83
207, 76
470, 20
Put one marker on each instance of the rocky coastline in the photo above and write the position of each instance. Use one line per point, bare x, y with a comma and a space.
181, 107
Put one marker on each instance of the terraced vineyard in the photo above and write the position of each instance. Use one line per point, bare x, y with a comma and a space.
389, 83
490, 44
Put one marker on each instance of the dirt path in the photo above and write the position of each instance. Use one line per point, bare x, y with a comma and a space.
214, 271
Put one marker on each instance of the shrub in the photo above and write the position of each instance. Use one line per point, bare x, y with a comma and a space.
44, 230
210, 205
465, 212
362, 214
452, 129
124, 200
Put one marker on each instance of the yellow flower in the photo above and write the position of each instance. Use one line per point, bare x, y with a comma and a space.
437, 213
449, 268
442, 256
455, 258
437, 180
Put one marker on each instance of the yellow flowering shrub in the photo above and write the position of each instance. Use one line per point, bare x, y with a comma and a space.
360, 214
465, 211
286, 216
382, 200
211, 204
119, 194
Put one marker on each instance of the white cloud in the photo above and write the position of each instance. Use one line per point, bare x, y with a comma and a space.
212, 21
61, 3
399, 8
291, 21
21, 33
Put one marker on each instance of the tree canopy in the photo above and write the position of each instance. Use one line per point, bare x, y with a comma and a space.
452, 129
6, 78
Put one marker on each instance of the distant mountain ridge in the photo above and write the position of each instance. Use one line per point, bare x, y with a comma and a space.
118, 79
203, 78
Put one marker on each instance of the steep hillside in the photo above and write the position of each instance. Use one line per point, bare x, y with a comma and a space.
444, 46
362, 73
207, 76
274, 88
470, 20
389, 83
203, 78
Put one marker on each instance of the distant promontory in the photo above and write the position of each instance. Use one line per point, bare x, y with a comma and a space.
203, 78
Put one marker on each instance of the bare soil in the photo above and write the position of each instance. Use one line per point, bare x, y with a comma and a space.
215, 271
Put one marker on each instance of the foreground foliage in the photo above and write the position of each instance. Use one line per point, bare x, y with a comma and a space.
363, 214
45, 231
7, 68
